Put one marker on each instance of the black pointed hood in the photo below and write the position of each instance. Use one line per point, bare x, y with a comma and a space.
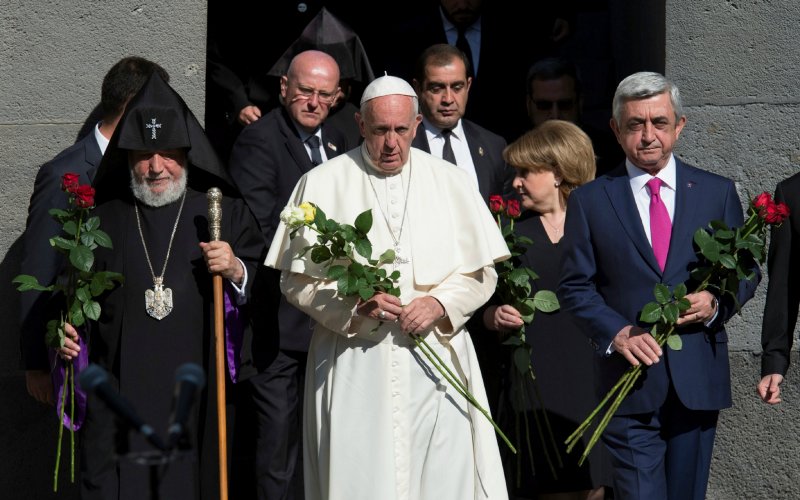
329, 34
157, 118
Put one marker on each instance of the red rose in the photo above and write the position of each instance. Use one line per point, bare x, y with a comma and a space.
84, 196
69, 182
512, 210
781, 212
496, 204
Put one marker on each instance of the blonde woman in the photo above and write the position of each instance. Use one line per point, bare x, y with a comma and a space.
550, 161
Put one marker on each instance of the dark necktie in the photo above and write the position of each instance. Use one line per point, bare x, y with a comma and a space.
447, 150
313, 144
463, 45
660, 225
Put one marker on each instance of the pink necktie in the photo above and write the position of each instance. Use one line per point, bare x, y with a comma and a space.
660, 225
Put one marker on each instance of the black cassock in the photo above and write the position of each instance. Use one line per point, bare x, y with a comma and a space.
142, 353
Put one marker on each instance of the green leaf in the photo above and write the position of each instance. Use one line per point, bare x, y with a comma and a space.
366, 292
61, 242
320, 254
675, 342
683, 304
724, 234
709, 247
662, 293
680, 291
88, 240
58, 213
519, 276
394, 276
531, 274
522, 359
91, 223
84, 294
546, 301
363, 247
364, 221
55, 335
651, 312
76, 314
386, 257
91, 310
102, 238
82, 258
513, 340
71, 228
27, 282
335, 272
349, 233
356, 270
320, 220
727, 261
671, 312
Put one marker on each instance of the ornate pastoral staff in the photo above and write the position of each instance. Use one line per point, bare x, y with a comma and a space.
214, 196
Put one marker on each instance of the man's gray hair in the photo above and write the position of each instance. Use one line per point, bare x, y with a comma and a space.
643, 85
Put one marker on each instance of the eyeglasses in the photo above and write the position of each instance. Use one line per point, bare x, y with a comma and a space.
562, 104
322, 96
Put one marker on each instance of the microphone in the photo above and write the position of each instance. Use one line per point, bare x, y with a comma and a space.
95, 380
189, 381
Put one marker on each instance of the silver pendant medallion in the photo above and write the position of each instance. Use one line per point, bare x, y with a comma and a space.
398, 255
158, 301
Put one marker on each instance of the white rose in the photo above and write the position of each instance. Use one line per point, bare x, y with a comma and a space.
293, 216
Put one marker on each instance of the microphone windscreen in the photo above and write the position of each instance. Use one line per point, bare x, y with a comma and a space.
192, 373
91, 377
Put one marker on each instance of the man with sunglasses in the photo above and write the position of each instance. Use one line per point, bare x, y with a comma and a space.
554, 93
268, 158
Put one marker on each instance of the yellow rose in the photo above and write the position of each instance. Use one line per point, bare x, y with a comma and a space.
309, 210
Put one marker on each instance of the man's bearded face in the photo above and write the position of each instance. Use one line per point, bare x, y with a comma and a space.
158, 177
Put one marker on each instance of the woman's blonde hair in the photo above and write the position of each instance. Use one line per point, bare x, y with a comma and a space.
557, 146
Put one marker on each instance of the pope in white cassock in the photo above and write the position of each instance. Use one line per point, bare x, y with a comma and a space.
380, 422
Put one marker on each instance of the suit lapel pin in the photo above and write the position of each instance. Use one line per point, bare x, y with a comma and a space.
690, 184
480, 150
331, 146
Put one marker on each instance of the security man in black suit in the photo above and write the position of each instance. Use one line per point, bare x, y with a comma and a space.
267, 160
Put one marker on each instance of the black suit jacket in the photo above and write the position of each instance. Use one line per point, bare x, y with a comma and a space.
486, 148
39, 259
497, 95
266, 162
783, 292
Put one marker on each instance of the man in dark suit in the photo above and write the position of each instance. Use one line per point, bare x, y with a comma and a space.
120, 84
783, 293
619, 242
555, 93
485, 31
442, 85
267, 160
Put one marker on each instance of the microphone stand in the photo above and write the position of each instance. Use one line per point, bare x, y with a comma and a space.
156, 460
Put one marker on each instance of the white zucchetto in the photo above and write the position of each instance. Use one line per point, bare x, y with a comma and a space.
387, 85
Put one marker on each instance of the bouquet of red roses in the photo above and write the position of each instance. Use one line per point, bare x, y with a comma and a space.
514, 288
725, 256
80, 235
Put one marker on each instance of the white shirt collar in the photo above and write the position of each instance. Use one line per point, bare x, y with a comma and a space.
639, 177
432, 131
102, 142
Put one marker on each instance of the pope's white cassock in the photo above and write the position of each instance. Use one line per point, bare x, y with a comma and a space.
380, 422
